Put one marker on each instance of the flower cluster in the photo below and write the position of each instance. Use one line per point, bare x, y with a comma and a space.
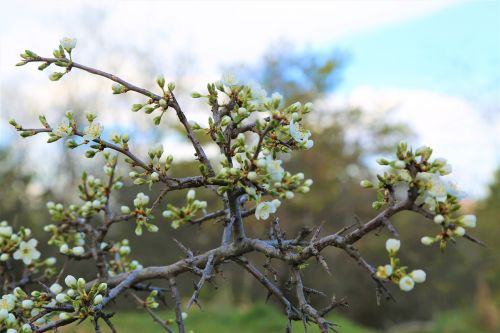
185, 214
19, 246
423, 178
396, 273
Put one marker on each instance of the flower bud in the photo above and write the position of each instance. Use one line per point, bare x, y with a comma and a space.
366, 184
125, 209
438, 219
468, 221
160, 80
418, 276
70, 281
78, 251
392, 245
56, 288
426, 240
97, 299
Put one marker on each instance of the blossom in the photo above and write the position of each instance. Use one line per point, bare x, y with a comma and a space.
27, 251
434, 186
68, 43
7, 302
191, 195
406, 283
297, 135
384, 271
392, 245
274, 169
265, 208
92, 131
418, 276
64, 128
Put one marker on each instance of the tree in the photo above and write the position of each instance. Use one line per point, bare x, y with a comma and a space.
252, 131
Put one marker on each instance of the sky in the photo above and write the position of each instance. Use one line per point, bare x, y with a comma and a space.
436, 64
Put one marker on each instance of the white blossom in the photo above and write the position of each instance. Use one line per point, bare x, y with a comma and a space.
27, 251
297, 135
68, 43
264, 209
64, 128
274, 169
434, 186
92, 131
7, 302
406, 283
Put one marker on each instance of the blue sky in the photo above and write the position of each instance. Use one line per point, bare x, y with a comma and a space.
455, 50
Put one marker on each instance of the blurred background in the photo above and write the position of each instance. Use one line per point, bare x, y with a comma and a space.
377, 71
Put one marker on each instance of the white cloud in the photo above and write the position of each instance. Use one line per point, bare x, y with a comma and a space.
454, 127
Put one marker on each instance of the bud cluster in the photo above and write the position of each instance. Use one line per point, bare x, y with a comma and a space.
396, 273
185, 214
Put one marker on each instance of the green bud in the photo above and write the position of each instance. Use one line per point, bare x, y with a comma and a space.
118, 89
90, 117
43, 121
366, 184
382, 161
90, 153
196, 95
163, 103
26, 134
14, 123
171, 86
136, 107
157, 120
139, 181
53, 138
160, 80
55, 76
71, 144
43, 66
22, 63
